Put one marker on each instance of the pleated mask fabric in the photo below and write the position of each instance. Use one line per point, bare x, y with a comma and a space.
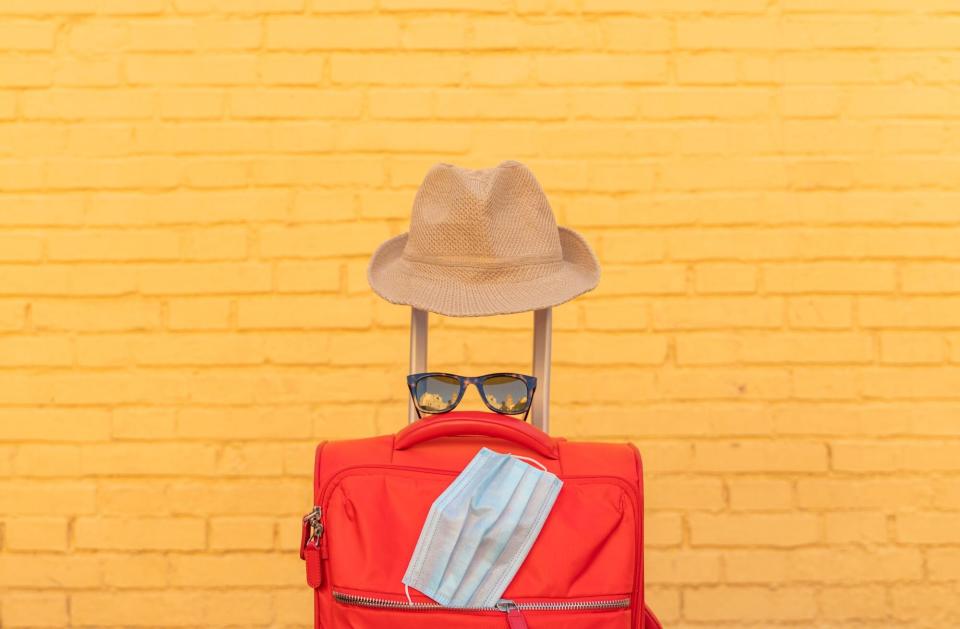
480, 529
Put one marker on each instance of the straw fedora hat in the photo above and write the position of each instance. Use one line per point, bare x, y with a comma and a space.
482, 242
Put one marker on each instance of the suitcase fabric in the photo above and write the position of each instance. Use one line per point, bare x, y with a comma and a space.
585, 569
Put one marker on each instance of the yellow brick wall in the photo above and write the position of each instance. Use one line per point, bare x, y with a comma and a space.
190, 190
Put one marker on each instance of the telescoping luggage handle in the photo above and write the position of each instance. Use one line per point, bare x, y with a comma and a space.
479, 423
542, 337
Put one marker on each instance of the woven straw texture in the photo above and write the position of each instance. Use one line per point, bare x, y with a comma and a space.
482, 242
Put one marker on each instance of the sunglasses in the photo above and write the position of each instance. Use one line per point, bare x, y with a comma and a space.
505, 393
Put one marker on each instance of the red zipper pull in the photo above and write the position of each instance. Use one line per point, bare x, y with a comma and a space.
310, 547
515, 619
314, 564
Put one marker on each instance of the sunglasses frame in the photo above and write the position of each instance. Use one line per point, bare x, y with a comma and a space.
465, 381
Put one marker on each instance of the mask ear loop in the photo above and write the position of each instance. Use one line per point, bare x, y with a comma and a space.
534, 461
406, 589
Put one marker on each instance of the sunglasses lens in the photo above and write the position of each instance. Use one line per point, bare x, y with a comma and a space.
507, 394
436, 394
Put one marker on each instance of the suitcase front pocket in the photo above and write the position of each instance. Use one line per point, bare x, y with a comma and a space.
370, 611
373, 517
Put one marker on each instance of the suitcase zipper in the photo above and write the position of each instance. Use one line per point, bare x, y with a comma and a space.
512, 609
310, 547
315, 526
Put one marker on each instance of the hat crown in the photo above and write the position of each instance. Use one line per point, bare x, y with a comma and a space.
482, 216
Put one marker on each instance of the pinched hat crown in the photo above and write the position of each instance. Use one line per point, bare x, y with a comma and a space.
482, 242
497, 217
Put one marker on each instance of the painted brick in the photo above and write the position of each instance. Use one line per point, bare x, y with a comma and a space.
717, 312
572, 69
782, 530
36, 534
761, 347
855, 603
386, 69
285, 103
404, 137
199, 279
37, 570
826, 383
196, 104
759, 455
214, 69
725, 278
889, 565
51, 424
674, 566
814, 277
297, 33
582, 348
630, 34
24, 72
760, 495
147, 459
856, 528
906, 455
126, 533
910, 601
707, 69
199, 349
187, 207
156, 245
721, 603
915, 348
143, 423
663, 530
869, 494
178, 608
239, 533
685, 494
663, 279
928, 528
235, 570
719, 383
931, 278
27, 35
77, 104
35, 610
706, 348
47, 497
300, 312
461, 5
435, 33
135, 570
245, 7
199, 314
46, 460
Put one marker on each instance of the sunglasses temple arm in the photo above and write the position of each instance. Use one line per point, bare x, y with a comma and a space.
413, 403
530, 405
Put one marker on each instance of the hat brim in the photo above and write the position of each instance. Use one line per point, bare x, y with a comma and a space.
399, 282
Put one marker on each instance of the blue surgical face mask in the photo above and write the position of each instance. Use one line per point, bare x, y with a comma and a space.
480, 529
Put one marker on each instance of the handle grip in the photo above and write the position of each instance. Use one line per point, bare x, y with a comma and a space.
479, 423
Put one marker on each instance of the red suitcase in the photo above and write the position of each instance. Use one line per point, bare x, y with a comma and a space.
371, 497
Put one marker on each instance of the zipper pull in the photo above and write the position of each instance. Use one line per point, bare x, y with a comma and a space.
515, 619
310, 536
